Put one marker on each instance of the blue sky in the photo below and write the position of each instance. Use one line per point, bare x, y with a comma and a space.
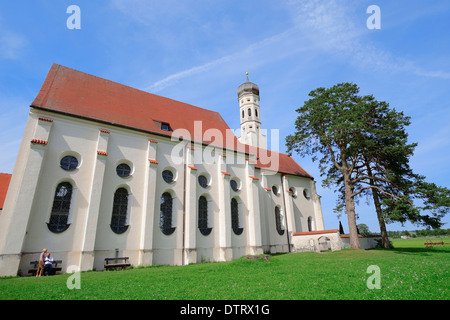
198, 52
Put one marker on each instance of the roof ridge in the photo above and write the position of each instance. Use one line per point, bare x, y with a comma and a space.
79, 94
58, 69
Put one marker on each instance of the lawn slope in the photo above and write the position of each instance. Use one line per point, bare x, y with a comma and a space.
410, 271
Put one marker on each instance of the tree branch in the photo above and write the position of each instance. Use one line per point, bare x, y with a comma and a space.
379, 189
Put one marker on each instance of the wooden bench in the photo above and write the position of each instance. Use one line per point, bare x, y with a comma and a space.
117, 263
54, 269
430, 244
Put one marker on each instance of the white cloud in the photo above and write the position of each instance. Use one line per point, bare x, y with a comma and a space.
333, 27
252, 49
336, 26
161, 84
432, 74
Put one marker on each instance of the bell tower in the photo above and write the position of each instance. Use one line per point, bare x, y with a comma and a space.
248, 98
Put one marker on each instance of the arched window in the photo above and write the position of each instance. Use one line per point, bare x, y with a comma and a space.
235, 217
165, 217
119, 212
310, 222
256, 113
242, 114
279, 221
249, 112
60, 209
203, 216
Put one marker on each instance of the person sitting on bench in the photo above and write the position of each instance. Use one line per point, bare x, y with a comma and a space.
48, 264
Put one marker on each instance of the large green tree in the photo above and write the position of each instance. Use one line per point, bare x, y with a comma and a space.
363, 150
397, 192
332, 124
383, 170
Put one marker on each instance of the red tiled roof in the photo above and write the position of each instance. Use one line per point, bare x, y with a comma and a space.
5, 178
362, 235
315, 232
76, 93
286, 164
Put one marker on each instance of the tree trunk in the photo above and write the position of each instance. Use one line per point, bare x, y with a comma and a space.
384, 235
351, 215
376, 200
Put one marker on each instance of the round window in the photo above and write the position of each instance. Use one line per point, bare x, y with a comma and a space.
234, 185
167, 176
306, 194
69, 163
203, 181
123, 170
294, 192
275, 190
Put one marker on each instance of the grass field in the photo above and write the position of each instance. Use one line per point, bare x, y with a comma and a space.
410, 271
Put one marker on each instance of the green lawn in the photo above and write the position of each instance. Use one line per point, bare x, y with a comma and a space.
410, 271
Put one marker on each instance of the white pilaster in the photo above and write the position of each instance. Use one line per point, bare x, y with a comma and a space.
289, 208
147, 224
225, 250
253, 218
190, 207
21, 193
317, 207
90, 227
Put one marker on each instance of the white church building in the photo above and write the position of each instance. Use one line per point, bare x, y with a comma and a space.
106, 169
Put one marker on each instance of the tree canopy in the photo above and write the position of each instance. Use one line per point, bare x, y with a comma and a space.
362, 147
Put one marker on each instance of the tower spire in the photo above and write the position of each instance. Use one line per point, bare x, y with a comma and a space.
248, 98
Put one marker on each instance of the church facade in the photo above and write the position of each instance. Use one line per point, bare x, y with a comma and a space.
104, 169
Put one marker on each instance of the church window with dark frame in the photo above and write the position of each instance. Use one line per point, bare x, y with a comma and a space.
123, 170
234, 185
203, 216
166, 214
293, 192
275, 190
69, 163
278, 221
165, 126
306, 194
119, 212
168, 176
60, 209
235, 217
310, 224
203, 181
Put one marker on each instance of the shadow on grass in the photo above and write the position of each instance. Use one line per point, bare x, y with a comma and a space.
278, 254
